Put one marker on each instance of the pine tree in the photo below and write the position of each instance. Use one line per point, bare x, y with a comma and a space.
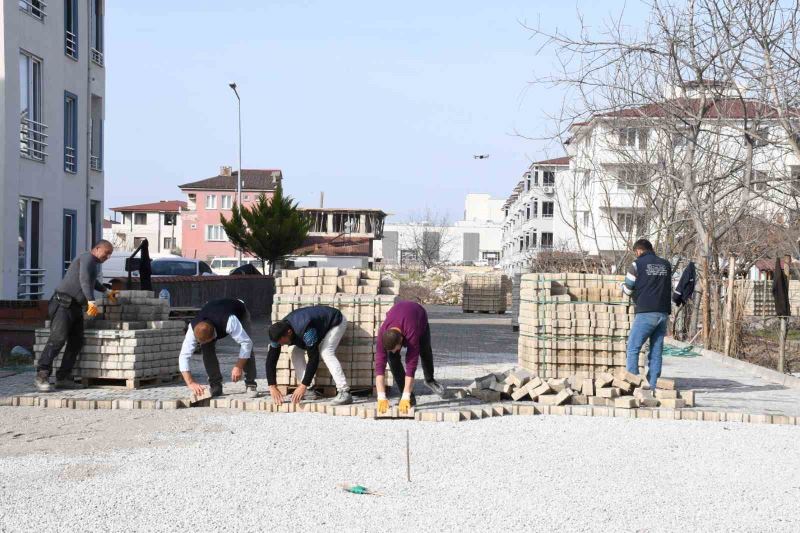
270, 229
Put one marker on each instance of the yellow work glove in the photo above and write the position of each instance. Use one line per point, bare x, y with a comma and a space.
112, 296
383, 403
92, 311
404, 405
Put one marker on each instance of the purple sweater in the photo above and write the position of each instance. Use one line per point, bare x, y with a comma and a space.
412, 321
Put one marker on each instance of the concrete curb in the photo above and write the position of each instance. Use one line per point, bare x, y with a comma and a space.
773, 376
450, 415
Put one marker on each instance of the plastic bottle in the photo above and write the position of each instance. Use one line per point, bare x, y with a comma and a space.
164, 295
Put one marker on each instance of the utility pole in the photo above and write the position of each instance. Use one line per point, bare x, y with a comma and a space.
240, 177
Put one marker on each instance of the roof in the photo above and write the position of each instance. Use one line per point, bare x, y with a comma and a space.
721, 108
164, 206
335, 246
255, 179
556, 161
344, 210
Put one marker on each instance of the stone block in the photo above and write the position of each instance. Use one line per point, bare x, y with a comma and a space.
623, 375
687, 396
626, 402
667, 384
558, 384
672, 403
542, 389
609, 392
640, 393
623, 386
649, 402
665, 394
603, 380
587, 388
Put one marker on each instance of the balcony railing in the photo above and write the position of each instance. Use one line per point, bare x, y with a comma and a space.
30, 283
32, 139
70, 163
34, 8
97, 56
70, 44
95, 163
547, 215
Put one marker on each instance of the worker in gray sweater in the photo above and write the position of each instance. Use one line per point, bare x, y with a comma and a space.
65, 311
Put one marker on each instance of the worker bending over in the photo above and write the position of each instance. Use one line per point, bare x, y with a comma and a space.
216, 320
649, 282
406, 325
316, 330
65, 311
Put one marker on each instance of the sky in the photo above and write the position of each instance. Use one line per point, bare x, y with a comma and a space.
378, 104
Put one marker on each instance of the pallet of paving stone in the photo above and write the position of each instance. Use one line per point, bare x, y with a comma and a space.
485, 293
332, 281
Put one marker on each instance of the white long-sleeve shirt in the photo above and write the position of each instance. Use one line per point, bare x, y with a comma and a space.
233, 328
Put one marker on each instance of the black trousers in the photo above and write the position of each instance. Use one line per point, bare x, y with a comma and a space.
211, 362
425, 356
66, 327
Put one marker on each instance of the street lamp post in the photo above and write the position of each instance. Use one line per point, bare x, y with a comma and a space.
239, 178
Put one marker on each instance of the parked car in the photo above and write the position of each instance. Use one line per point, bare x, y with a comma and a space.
224, 265
180, 266
114, 267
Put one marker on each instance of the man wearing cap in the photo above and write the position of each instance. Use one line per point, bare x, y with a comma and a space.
216, 320
316, 330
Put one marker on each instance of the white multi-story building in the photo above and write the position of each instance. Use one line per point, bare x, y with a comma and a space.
51, 175
614, 185
158, 222
476, 239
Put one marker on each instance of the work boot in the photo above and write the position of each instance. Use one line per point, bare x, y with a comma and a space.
309, 396
42, 381
343, 397
436, 388
67, 383
413, 400
252, 391
216, 390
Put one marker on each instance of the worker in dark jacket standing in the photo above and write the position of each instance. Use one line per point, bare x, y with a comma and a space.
216, 320
316, 330
649, 282
66, 315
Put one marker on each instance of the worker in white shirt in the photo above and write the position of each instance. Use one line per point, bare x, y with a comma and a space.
216, 320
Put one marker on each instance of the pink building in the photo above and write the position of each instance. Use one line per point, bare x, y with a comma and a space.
203, 236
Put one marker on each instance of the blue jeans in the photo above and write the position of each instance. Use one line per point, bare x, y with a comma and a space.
652, 326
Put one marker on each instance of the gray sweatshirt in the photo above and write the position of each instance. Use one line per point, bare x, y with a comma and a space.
80, 281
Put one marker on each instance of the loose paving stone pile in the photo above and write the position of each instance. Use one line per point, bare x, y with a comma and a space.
486, 293
621, 390
130, 344
573, 323
356, 351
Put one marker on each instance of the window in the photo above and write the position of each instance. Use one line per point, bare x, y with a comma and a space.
70, 132
535, 208
681, 136
96, 216
633, 137
169, 243
211, 201
548, 178
535, 178
631, 223
533, 239
174, 268
547, 240
140, 219
138, 241
527, 182
527, 241
69, 236
586, 219
33, 134
245, 197
96, 134
761, 136
547, 210
71, 28
795, 179
225, 202
215, 232
30, 281
191, 201
96, 31
204, 268
127, 218
759, 180
587, 179
528, 212
170, 219
629, 179
34, 8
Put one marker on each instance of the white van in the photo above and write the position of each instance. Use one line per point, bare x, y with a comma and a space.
222, 266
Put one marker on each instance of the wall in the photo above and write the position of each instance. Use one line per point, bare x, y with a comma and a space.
57, 189
402, 236
194, 240
194, 291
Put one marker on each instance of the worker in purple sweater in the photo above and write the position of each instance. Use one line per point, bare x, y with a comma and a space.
406, 326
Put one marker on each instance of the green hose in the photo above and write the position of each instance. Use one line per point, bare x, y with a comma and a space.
674, 351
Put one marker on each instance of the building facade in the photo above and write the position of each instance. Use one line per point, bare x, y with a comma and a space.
475, 240
51, 171
202, 234
160, 223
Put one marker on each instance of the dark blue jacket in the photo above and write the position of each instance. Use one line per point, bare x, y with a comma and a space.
218, 312
649, 279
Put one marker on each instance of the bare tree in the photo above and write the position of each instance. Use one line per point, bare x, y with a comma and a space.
429, 240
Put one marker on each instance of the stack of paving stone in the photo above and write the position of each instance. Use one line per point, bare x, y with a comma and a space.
515, 291
759, 300
485, 293
131, 343
570, 323
356, 351
329, 281
621, 389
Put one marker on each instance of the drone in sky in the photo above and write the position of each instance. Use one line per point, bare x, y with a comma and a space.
480, 156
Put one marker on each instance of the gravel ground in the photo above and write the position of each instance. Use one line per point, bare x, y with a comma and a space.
194, 469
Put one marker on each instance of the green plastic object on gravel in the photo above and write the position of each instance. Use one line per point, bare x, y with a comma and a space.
674, 351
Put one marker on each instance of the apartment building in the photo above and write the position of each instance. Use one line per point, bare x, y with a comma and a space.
158, 222
475, 239
202, 234
51, 170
